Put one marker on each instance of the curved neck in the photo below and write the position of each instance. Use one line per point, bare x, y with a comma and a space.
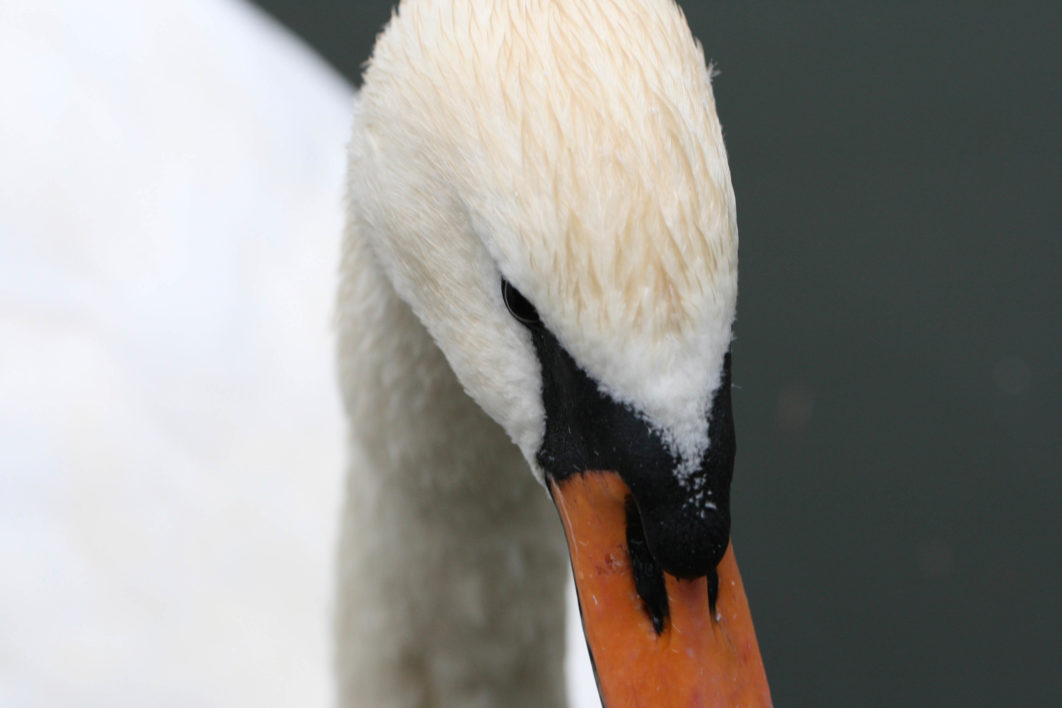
451, 561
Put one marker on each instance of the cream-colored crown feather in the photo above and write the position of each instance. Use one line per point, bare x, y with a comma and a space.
573, 148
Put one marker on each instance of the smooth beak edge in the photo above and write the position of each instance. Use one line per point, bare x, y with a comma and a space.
697, 659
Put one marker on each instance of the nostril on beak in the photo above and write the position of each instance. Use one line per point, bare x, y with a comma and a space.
648, 575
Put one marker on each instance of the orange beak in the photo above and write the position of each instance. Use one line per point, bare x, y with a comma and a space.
692, 656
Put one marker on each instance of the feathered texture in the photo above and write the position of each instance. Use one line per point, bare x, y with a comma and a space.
589, 130
450, 564
578, 143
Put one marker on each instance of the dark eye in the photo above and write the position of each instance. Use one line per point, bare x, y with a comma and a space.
519, 306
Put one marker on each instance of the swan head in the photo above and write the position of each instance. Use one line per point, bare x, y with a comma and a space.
546, 185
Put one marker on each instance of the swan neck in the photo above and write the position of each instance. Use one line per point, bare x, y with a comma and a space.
451, 567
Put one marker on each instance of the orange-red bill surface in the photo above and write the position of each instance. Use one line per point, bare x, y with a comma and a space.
698, 659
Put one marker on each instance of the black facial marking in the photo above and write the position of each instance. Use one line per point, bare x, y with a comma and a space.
648, 577
686, 523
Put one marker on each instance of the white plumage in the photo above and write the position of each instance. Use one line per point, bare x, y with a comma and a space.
170, 439
574, 151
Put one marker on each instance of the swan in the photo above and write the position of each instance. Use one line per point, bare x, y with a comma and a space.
538, 273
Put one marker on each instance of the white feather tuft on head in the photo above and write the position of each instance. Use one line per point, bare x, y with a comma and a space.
574, 149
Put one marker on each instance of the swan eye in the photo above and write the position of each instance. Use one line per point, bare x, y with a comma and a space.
519, 306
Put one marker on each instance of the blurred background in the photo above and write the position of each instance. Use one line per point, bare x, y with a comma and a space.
898, 170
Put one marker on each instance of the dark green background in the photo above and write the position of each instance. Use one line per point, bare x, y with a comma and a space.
898, 168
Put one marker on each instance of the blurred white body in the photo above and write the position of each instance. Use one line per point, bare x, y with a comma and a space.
170, 209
